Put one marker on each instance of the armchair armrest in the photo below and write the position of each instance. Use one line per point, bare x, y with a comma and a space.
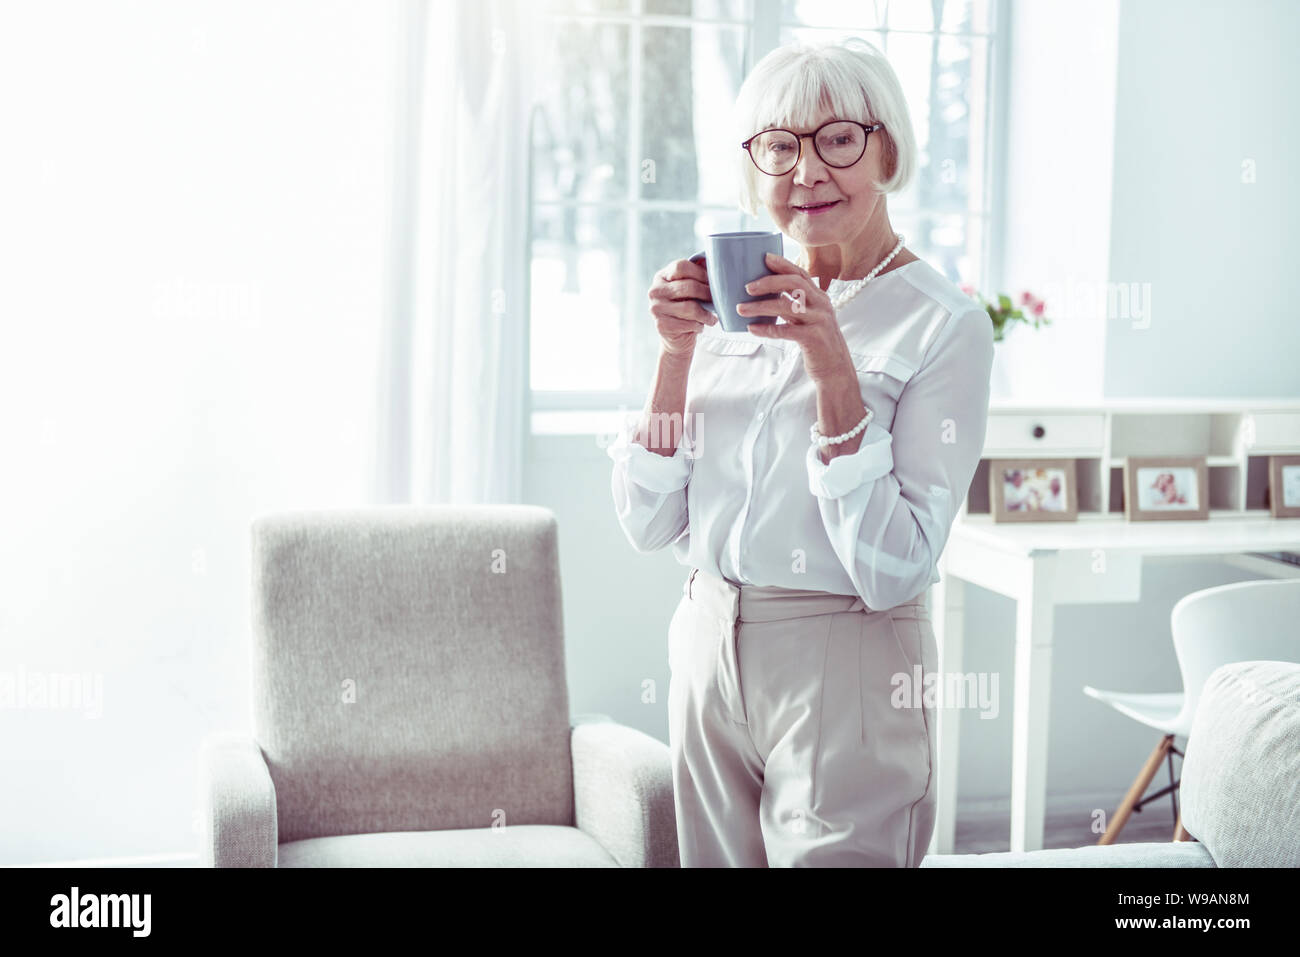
623, 793
239, 827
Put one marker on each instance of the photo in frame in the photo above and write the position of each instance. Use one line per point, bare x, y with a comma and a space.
1033, 490
1284, 486
1166, 488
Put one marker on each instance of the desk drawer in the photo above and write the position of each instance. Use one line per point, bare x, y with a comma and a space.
1030, 434
1277, 430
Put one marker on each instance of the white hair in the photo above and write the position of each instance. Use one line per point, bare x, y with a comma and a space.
852, 80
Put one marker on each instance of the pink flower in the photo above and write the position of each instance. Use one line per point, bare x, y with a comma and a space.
1038, 307
968, 289
1026, 298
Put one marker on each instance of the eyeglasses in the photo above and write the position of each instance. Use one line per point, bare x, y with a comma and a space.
839, 143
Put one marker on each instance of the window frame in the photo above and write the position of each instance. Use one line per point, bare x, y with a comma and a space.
763, 31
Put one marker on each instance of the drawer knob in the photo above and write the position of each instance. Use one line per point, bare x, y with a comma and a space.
1039, 431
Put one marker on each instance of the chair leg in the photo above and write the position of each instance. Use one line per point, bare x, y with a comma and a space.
1180, 832
1121, 815
1173, 786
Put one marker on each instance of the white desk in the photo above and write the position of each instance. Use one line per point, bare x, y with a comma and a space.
1041, 565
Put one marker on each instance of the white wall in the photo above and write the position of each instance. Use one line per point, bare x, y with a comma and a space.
1205, 199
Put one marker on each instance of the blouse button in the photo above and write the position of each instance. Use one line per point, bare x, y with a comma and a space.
762, 416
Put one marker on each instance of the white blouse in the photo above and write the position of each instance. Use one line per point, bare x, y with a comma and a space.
746, 496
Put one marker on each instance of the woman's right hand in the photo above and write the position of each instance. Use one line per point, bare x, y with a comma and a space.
675, 296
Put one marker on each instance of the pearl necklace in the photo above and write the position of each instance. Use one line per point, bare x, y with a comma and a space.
855, 286
820, 441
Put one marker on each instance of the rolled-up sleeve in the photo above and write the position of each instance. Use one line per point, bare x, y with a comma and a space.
649, 491
845, 473
889, 510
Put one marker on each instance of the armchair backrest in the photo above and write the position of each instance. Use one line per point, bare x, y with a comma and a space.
408, 668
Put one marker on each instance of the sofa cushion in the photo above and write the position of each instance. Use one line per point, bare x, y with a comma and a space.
1181, 854
518, 845
1240, 796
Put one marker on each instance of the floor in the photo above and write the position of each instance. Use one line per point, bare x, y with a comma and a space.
1155, 822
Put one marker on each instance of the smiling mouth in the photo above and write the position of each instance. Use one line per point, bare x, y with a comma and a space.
813, 207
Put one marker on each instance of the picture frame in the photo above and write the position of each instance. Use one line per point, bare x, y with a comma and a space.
1284, 486
1166, 488
1033, 490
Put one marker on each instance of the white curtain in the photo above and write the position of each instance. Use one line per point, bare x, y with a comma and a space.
454, 374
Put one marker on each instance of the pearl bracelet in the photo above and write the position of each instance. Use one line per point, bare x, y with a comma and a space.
823, 440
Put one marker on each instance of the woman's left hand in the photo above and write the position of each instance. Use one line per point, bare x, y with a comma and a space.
809, 318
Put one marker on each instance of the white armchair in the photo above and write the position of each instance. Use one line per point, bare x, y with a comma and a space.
410, 706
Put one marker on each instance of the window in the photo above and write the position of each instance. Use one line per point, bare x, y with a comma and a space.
632, 160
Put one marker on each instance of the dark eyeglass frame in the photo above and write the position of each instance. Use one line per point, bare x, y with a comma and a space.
868, 128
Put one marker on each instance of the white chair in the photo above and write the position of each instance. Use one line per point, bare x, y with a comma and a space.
411, 707
1245, 621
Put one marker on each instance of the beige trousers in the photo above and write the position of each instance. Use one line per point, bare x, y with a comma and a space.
798, 731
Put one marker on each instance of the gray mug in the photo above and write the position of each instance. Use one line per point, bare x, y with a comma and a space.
732, 260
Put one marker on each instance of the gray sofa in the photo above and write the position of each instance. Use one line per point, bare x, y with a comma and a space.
410, 706
1240, 791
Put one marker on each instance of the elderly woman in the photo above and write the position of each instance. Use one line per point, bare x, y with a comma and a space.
822, 458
